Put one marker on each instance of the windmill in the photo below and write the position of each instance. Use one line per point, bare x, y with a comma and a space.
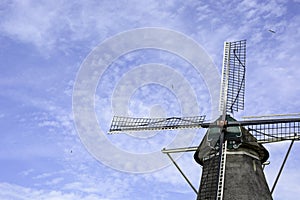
231, 153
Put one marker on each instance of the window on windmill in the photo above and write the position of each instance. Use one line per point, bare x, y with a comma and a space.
233, 133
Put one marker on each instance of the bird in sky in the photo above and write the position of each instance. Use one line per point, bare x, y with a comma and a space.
272, 31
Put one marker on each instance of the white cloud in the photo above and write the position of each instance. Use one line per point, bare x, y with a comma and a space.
31, 22
60, 24
54, 181
12, 191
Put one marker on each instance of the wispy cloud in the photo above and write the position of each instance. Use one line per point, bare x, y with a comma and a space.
11, 191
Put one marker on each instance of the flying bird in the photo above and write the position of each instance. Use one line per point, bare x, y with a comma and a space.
272, 31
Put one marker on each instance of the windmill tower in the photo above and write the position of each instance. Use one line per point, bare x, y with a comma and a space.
231, 153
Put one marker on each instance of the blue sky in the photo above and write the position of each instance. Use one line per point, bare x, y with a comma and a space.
43, 47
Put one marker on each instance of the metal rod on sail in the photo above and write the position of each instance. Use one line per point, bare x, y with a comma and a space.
281, 168
262, 121
181, 172
272, 115
179, 150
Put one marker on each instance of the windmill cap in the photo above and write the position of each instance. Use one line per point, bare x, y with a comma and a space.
239, 139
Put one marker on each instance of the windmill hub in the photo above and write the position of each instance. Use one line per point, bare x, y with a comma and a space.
221, 123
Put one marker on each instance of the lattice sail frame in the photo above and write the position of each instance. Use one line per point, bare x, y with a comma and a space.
233, 77
267, 132
121, 124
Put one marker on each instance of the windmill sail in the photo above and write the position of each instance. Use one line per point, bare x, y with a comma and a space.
275, 130
233, 77
120, 124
